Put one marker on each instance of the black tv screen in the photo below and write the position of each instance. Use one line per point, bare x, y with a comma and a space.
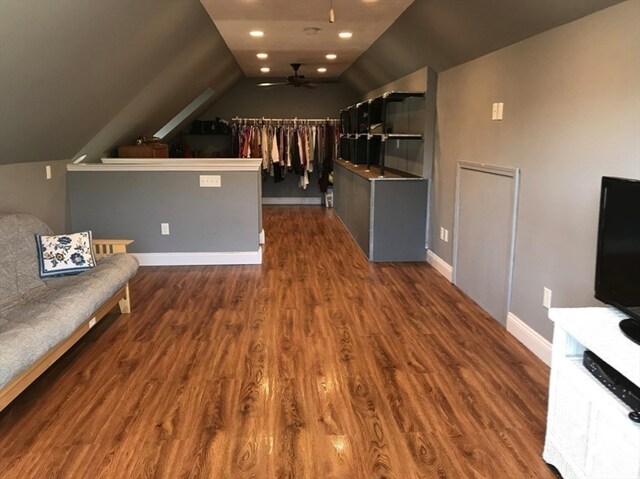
618, 257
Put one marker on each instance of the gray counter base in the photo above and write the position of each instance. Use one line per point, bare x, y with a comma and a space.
385, 216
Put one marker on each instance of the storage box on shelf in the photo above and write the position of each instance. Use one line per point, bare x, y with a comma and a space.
145, 150
589, 434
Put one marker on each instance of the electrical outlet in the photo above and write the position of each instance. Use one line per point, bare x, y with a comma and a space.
47, 170
446, 235
164, 228
546, 298
210, 181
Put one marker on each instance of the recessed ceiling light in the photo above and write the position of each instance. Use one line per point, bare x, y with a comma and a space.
262, 56
345, 35
322, 70
331, 56
256, 33
265, 69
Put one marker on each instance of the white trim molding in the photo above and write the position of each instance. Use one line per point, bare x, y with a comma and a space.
530, 338
440, 265
266, 200
193, 259
262, 238
170, 164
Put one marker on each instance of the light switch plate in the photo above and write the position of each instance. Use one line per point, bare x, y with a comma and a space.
210, 181
546, 298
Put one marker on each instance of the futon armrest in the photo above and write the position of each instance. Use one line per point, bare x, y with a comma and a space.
106, 247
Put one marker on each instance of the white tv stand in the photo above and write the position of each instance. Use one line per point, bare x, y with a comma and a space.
589, 433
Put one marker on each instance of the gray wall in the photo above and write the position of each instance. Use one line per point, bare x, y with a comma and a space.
414, 81
133, 204
24, 188
571, 114
246, 99
81, 76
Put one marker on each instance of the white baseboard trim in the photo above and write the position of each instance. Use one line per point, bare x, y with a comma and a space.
531, 339
193, 259
440, 265
292, 201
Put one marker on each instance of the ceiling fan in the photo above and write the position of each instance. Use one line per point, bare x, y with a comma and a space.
297, 80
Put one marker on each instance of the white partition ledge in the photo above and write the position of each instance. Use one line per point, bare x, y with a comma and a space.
170, 164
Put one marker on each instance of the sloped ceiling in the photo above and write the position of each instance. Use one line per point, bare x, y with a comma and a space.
445, 33
286, 39
80, 77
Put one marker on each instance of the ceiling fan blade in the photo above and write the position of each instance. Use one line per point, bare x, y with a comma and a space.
272, 84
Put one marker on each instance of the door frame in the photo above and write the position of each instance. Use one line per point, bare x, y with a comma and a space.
509, 172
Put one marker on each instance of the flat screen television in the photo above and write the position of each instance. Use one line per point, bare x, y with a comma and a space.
618, 257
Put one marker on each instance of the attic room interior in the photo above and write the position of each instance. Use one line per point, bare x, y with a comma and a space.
320, 239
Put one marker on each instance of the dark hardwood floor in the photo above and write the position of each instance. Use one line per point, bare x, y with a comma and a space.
316, 364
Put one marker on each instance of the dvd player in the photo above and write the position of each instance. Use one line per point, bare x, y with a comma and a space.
619, 385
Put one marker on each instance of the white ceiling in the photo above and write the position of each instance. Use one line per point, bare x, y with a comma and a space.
283, 23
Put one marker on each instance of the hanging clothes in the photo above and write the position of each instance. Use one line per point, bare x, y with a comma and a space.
289, 146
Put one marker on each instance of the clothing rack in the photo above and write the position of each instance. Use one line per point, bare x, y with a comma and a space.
285, 120
289, 145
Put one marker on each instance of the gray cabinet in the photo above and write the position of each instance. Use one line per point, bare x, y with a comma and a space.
386, 216
380, 184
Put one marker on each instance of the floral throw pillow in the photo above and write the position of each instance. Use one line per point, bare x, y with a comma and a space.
65, 254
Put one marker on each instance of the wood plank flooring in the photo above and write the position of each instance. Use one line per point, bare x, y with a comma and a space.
316, 364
